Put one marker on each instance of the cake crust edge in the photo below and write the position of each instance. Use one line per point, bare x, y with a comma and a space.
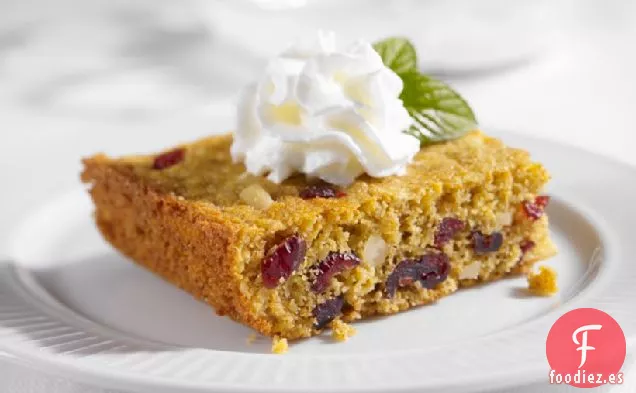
187, 244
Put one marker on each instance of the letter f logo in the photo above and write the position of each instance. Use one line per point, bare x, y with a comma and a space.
583, 344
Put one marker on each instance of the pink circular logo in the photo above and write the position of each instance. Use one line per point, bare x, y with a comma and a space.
586, 348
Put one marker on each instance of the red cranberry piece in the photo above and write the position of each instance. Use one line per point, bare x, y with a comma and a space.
447, 229
327, 312
283, 261
334, 263
168, 159
321, 191
526, 246
483, 244
429, 270
534, 210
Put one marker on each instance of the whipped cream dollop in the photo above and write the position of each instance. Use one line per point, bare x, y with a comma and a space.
326, 112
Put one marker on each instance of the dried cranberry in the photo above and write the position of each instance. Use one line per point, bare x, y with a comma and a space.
283, 260
327, 311
484, 244
447, 229
168, 159
429, 270
321, 191
526, 246
334, 263
534, 210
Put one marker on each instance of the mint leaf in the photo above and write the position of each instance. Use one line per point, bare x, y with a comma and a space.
398, 54
439, 113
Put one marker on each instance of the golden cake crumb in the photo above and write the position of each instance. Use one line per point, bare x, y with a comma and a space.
341, 331
543, 283
279, 345
251, 338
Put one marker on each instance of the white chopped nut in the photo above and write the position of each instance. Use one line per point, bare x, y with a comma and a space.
375, 251
256, 196
470, 271
504, 219
476, 140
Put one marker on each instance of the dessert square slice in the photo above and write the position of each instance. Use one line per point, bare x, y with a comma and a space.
288, 259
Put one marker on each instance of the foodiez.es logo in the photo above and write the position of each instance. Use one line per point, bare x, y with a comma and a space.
586, 348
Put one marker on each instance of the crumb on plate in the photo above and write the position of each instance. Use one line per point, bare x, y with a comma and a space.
341, 331
251, 338
544, 282
279, 345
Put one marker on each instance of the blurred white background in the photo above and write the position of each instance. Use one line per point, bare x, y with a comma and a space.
560, 69
546, 67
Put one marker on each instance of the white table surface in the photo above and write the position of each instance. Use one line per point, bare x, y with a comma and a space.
68, 68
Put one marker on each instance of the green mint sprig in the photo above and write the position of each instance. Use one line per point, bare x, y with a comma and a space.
439, 113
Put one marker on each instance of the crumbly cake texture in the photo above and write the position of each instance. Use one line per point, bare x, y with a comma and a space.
544, 282
204, 224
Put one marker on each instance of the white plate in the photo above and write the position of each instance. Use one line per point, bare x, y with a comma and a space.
70, 304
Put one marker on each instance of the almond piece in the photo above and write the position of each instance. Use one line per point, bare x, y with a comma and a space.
256, 196
375, 251
470, 271
503, 219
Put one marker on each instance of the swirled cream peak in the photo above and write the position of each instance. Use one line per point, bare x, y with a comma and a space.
326, 112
